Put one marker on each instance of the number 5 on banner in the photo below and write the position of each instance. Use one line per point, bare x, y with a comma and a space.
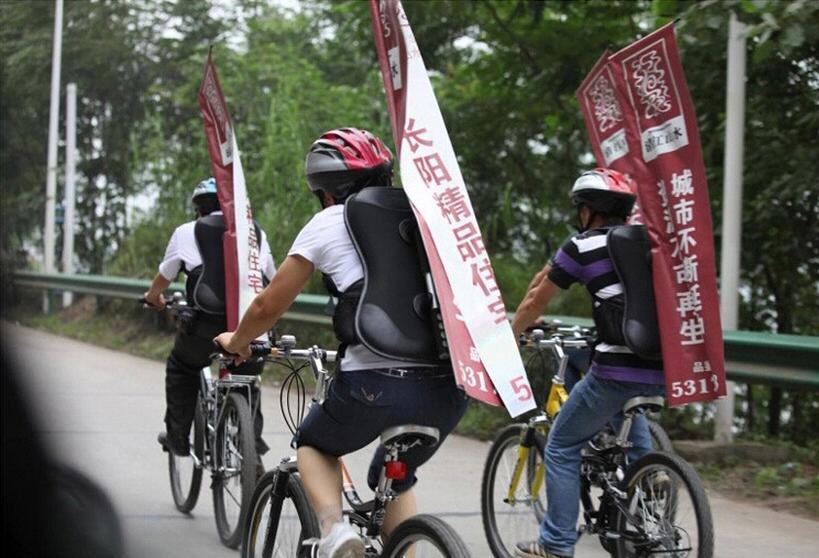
521, 388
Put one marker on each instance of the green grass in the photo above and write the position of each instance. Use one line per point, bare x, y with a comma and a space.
792, 486
118, 327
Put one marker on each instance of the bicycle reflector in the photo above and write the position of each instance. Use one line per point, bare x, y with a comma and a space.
396, 470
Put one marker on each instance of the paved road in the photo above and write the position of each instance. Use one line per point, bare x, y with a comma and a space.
101, 411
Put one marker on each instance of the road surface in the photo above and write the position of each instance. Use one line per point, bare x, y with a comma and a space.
100, 410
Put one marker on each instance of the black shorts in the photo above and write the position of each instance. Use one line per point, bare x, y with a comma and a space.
361, 404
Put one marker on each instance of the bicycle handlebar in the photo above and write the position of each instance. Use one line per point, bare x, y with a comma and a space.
172, 303
561, 336
263, 349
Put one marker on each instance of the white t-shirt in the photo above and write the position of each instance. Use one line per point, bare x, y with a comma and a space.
325, 242
182, 251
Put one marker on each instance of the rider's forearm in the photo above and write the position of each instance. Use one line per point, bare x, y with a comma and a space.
258, 319
159, 285
526, 313
273, 302
534, 303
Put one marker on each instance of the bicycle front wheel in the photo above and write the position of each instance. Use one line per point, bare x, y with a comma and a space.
510, 511
296, 523
424, 536
185, 472
234, 468
666, 511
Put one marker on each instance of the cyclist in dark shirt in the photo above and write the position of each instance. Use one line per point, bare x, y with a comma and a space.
604, 199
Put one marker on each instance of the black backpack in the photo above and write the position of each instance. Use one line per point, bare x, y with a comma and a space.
630, 252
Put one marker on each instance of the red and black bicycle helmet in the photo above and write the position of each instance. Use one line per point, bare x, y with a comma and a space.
344, 160
604, 191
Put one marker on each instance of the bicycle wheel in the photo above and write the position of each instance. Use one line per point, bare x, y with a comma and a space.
423, 536
659, 439
234, 468
186, 476
296, 524
508, 521
667, 511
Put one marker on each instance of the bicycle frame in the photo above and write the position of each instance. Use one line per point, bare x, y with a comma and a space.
214, 392
554, 402
596, 469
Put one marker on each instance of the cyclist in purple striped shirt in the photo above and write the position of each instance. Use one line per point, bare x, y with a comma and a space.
604, 199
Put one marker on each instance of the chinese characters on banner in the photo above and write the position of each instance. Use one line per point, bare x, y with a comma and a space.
484, 352
243, 273
641, 122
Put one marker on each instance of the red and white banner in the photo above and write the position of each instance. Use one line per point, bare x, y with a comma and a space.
641, 121
243, 273
605, 122
484, 352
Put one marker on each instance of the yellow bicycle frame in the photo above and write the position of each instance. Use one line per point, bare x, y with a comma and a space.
557, 398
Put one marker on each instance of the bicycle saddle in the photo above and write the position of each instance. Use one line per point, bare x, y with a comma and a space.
652, 404
407, 436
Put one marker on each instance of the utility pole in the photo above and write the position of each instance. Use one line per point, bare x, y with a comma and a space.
51, 168
732, 209
70, 183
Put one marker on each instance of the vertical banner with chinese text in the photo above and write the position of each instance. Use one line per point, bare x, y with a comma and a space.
243, 275
664, 157
484, 352
605, 122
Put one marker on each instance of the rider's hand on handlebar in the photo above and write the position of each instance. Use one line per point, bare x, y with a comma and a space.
157, 300
240, 354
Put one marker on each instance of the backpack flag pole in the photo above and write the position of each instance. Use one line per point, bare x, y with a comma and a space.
484, 352
641, 122
243, 275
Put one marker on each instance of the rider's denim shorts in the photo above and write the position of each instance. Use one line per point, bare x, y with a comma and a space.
361, 404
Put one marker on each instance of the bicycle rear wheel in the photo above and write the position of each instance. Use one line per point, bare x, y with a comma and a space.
667, 511
234, 468
508, 521
424, 536
185, 473
296, 523
659, 439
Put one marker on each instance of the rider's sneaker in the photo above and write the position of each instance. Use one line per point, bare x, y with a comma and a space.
657, 489
341, 542
534, 549
179, 448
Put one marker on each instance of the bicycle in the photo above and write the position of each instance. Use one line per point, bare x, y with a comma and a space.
654, 505
223, 442
281, 522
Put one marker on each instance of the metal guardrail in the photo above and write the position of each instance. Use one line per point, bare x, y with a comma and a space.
755, 357
306, 308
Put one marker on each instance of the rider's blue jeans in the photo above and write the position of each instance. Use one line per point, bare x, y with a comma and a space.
592, 403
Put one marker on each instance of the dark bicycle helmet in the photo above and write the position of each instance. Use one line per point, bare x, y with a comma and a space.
344, 160
604, 191
204, 197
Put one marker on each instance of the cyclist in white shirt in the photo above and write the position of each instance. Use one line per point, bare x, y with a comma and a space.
192, 248
369, 393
